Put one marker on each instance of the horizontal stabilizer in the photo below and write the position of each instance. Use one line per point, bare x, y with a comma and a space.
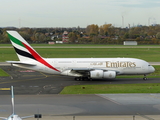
27, 117
21, 63
3, 118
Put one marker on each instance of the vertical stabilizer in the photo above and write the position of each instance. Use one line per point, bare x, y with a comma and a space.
25, 52
23, 49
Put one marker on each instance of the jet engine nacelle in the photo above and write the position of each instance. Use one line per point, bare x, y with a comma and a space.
100, 74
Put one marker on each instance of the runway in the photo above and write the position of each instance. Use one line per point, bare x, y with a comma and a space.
37, 91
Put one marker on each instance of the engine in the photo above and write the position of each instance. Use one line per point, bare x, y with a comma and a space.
100, 74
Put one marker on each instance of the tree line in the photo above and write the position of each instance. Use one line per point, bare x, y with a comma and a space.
92, 34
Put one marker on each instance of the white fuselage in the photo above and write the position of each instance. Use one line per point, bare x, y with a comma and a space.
81, 68
122, 66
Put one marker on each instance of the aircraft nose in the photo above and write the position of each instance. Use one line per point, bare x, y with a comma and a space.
151, 69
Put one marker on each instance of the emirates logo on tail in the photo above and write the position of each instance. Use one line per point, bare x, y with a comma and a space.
24, 49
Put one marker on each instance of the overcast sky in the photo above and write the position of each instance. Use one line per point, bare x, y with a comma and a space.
73, 13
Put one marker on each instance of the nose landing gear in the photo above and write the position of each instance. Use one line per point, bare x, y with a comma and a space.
144, 78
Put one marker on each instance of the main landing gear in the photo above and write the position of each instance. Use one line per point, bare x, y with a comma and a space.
144, 78
82, 78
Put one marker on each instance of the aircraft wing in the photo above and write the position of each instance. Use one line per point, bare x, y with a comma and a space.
21, 63
3, 118
81, 70
90, 72
27, 117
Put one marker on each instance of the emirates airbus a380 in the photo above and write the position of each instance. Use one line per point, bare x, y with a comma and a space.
80, 68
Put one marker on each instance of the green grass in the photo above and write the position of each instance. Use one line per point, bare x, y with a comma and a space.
112, 88
148, 54
3, 73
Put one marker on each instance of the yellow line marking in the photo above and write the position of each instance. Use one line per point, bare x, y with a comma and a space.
5, 89
31, 79
22, 80
44, 74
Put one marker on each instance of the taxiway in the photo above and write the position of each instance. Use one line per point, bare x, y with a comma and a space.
37, 91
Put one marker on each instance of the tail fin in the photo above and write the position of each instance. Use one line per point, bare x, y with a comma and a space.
25, 52
12, 93
23, 49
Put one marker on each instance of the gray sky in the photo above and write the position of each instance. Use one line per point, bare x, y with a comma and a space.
73, 13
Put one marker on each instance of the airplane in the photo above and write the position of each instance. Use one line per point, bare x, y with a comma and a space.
14, 116
80, 68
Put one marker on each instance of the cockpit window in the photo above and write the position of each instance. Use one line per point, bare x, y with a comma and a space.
149, 65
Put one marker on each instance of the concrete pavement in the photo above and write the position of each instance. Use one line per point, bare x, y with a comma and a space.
108, 117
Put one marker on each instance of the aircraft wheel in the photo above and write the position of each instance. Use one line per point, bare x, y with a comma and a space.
85, 78
80, 79
77, 79
144, 78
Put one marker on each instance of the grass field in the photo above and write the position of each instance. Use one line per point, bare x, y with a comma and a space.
112, 88
148, 54
3, 73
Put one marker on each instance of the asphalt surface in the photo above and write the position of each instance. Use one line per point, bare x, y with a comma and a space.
37, 92
81, 105
32, 82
